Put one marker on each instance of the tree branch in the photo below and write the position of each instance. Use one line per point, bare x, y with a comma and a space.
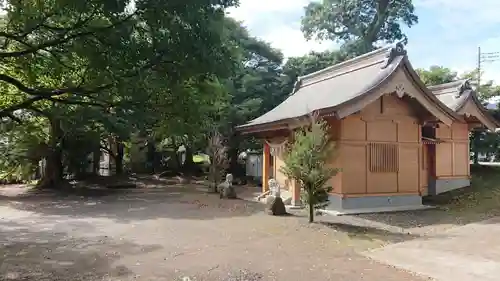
44, 93
6, 112
64, 39
377, 22
77, 102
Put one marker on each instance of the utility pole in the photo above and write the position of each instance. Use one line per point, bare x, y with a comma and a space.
478, 69
481, 58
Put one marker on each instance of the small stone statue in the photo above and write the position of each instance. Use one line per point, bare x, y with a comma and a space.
276, 205
274, 187
226, 189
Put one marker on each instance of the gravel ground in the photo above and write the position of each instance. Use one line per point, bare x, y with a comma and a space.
171, 234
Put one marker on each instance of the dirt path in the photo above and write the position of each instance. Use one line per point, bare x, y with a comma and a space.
169, 235
465, 253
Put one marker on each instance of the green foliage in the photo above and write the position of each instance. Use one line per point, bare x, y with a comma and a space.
308, 161
314, 61
104, 68
481, 140
256, 86
319, 197
358, 24
436, 75
21, 147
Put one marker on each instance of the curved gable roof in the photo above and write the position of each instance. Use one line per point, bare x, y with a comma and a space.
329, 89
461, 98
453, 94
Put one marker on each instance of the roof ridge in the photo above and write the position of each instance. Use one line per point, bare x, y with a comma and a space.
457, 82
458, 87
392, 51
337, 74
344, 63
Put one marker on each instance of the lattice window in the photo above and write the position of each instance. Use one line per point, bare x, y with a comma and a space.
384, 157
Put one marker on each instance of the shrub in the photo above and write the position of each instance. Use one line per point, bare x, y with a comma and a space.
307, 161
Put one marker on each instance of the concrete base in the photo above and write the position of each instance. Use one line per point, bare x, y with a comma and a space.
375, 210
373, 204
294, 207
444, 185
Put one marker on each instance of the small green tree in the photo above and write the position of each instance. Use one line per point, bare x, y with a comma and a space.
308, 162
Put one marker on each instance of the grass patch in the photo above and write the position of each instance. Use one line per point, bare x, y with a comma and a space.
481, 199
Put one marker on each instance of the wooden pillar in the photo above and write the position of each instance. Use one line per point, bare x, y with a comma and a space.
296, 194
266, 156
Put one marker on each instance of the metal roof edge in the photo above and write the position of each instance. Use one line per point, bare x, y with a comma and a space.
346, 63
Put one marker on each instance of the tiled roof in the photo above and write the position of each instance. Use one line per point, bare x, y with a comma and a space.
456, 94
335, 85
332, 89
453, 94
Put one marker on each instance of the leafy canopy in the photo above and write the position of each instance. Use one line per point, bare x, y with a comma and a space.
91, 52
358, 24
436, 75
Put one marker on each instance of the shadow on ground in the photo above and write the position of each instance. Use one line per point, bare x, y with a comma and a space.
187, 201
30, 253
370, 233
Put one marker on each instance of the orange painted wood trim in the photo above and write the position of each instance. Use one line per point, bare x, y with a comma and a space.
266, 155
296, 193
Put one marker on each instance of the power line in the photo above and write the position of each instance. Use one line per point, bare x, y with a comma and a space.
485, 57
489, 53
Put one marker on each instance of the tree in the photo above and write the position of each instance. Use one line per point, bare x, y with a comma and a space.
358, 24
217, 152
314, 61
103, 61
308, 162
22, 146
256, 86
187, 117
436, 75
481, 140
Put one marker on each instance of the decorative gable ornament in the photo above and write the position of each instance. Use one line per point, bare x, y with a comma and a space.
400, 90
395, 52
465, 86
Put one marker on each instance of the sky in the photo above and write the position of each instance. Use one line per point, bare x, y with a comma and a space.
449, 32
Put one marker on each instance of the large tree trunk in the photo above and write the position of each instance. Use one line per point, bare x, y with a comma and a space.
310, 194
233, 161
235, 167
188, 166
52, 177
151, 155
96, 161
119, 158
214, 177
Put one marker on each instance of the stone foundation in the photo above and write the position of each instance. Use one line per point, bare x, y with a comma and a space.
373, 204
444, 185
